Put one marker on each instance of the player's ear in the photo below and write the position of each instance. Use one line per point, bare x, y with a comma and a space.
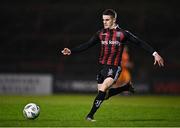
114, 20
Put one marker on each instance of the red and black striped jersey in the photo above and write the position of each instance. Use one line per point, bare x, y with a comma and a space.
112, 42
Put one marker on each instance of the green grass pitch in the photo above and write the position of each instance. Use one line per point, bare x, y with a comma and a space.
70, 110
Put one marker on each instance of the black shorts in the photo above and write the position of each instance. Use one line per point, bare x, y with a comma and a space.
108, 71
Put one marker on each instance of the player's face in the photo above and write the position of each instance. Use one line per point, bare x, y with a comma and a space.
108, 21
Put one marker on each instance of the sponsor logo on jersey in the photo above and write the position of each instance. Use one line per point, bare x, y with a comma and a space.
104, 34
111, 42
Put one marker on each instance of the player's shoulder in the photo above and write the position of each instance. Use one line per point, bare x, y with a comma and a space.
101, 30
98, 31
124, 31
121, 30
127, 32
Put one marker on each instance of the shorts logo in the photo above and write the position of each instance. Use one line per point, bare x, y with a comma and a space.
110, 72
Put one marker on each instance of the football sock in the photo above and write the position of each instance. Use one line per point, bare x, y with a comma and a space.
97, 102
115, 91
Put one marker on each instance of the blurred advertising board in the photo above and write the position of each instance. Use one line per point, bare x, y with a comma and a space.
172, 87
90, 86
26, 84
75, 86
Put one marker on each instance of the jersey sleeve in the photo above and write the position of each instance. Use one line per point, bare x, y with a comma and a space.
84, 46
138, 42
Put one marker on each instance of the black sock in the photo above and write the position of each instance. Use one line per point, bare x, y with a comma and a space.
97, 102
115, 91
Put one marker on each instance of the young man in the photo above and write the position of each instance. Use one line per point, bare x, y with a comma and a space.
112, 40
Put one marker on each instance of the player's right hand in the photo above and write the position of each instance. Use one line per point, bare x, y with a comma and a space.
66, 51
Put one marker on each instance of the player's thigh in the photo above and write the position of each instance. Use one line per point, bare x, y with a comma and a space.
123, 79
119, 81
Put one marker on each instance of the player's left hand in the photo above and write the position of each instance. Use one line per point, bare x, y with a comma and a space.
158, 60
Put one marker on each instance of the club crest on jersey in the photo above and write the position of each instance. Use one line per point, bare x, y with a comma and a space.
110, 72
118, 34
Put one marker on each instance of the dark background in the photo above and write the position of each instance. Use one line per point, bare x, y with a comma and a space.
33, 33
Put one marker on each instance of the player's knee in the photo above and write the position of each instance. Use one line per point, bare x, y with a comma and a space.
102, 89
105, 86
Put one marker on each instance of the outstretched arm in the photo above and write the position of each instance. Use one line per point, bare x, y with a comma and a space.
93, 40
157, 58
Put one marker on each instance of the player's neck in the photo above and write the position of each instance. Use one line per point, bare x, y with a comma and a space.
114, 26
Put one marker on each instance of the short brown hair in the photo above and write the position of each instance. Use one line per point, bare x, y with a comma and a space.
110, 12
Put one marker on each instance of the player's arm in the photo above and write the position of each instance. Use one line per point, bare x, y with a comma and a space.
137, 41
91, 42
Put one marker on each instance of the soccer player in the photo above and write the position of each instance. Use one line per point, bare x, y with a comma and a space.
112, 39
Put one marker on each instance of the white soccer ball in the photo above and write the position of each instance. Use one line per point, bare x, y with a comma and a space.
31, 111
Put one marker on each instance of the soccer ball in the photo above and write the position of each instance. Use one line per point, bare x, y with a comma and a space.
31, 111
